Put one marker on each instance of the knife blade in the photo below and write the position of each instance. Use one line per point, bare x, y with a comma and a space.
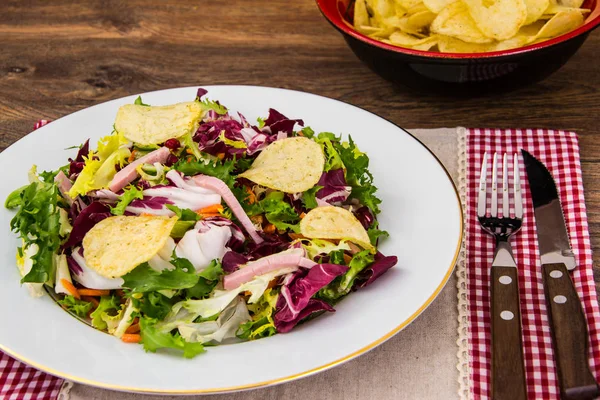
567, 320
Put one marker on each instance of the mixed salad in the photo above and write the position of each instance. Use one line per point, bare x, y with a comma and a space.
189, 227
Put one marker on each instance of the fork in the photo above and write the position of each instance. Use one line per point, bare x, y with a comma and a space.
508, 371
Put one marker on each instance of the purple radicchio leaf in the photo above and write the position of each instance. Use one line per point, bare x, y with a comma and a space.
277, 122
380, 266
76, 165
201, 92
297, 292
87, 218
231, 261
334, 188
365, 216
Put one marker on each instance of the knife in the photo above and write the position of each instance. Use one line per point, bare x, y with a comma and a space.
567, 320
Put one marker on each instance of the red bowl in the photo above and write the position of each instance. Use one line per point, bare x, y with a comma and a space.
460, 73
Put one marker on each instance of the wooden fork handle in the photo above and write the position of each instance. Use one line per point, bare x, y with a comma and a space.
508, 370
569, 335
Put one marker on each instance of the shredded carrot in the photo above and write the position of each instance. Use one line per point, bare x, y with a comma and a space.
70, 288
273, 283
132, 156
208, 215
300, 133
251, 195
131, 337
135, 328
215, 208
295, 236
93, 292
302, 215
90, 300
189, 151
146, 215
220, 156
189, 159
347, 258
269, 228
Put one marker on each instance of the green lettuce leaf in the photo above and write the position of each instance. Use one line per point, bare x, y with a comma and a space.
107, 304
80, 308
277, 211
308, 132
358, 175
209, 277
131, 193
237, 144
332, 158
145, 279
219, 169
309, 198
139, 102
187, 220
37, 221
14, 199
262, 324
153, 340
212, 105
342, 285
374, 233
154, 305
314, 247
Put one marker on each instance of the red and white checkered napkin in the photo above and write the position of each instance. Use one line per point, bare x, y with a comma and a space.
21, 382
559, 151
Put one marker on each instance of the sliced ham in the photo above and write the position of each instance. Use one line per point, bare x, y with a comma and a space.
217, 185
285, 259
129, 173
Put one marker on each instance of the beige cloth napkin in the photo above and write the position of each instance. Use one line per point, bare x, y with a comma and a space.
418, 363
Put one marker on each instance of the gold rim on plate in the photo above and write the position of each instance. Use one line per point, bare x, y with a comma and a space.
289, 378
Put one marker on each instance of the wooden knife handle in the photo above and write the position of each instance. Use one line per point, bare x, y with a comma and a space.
508, 370
569, 335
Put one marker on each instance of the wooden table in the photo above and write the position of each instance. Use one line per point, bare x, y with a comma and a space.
59, 57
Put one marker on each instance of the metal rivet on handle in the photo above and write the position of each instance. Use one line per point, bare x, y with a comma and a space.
505, 279
507, 315
556, 274
560, 299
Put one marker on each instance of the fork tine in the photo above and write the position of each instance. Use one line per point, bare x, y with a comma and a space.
494, 210
517, 184
481, 200
505, 205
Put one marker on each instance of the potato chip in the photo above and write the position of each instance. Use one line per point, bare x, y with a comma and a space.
525, 36
290, 165
455, 21
570, 3
116, 245
331, 222
409, 4
421, 19
405, 40
561, 22
498, 19
535, 9
155, 124
435, 6
381, 9
465, 26
361, 16
447, 44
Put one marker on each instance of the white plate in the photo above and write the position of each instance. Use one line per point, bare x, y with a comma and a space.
421, 211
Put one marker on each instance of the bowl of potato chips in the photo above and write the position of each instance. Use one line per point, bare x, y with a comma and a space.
463, 46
